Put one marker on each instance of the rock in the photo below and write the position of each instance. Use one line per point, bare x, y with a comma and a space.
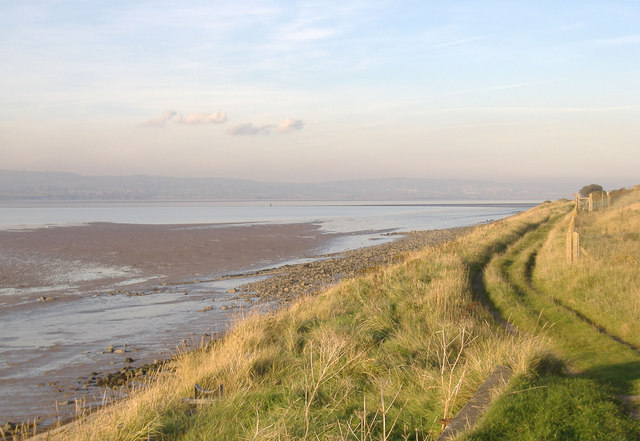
9, 427
109, 349
129, 360
232, 291
119, 351
224, 308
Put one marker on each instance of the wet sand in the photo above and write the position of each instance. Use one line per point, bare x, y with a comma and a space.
68, 294
79, 259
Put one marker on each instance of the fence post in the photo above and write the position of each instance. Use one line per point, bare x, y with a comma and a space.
570, 236
576, 246
590, 202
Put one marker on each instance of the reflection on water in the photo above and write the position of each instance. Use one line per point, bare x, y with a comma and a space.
53, 345
335, 216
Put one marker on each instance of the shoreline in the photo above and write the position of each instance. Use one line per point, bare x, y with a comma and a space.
64, 304
285, 283
358, 260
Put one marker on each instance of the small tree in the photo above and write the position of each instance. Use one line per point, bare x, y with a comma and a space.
588, 189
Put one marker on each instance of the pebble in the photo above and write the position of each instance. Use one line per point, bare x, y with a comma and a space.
303, 279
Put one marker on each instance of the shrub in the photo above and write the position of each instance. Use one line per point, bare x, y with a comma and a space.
588, 189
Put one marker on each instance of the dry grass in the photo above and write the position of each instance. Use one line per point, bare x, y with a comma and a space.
604, 285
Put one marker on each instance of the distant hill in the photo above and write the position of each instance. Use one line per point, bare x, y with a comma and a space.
24, 185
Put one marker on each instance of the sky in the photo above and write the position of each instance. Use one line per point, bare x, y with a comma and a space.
311, 91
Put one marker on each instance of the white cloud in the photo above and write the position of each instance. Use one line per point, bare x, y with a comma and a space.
506, 86
202, 118
289, 125
160, 121
248, 129
458, 42
305, 35
620, 41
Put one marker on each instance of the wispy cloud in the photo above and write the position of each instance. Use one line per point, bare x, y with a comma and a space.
311, 34
248, 129
619, 41
289, 125
171, 116
202, 118
568, 27
506, 86
511, 109
458, 42
160, 121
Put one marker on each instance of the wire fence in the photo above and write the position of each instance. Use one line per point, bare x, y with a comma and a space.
596, 200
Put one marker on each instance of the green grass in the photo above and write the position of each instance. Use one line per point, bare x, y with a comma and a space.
529, 285
556, 407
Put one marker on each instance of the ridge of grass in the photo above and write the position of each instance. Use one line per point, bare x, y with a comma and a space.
388, 355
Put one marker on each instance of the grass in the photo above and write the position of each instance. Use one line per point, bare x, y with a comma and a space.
385, 356
395, 353
556, 407
532, 285
602, 285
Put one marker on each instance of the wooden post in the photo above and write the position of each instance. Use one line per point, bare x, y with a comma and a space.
590, 202
576, 246
570, 239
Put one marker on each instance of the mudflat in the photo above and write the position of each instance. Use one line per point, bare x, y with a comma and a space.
81, 302
91, 298
77, 259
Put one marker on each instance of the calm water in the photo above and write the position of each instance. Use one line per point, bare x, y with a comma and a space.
45, 347
340, 217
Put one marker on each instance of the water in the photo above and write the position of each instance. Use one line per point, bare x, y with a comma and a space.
334, 216
45, 346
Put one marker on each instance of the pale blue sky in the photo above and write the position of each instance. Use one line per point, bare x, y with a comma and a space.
312, 91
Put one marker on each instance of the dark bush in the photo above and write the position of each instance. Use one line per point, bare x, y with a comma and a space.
588, 189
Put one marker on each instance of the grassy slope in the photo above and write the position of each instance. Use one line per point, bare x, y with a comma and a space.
532, 284
383, 356
390, 354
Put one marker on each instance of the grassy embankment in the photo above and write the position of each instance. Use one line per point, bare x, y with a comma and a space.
590, 313
390, 354
383, 356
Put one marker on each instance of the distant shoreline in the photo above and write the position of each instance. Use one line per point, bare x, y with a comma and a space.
72, 186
